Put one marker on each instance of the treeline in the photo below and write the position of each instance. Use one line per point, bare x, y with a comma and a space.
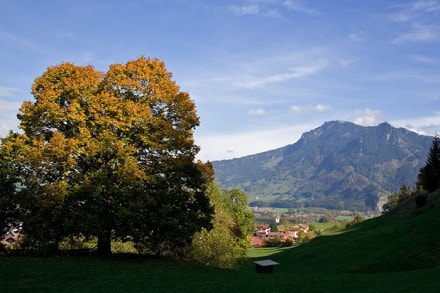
325, 203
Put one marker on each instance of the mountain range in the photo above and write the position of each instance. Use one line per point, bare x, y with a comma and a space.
339, 165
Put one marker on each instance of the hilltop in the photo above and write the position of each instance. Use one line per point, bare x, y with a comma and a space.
339, 165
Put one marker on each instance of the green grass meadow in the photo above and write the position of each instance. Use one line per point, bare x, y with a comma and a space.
73, 274
390, 253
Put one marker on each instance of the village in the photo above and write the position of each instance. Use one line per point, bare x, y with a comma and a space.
262, 237
287, 236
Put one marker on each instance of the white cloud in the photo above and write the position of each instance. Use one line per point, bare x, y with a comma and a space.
297, 109
367, 117
309, 108
257, 112
322, 108
426, 125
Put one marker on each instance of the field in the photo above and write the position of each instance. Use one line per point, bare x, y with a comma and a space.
130, 275
391, 253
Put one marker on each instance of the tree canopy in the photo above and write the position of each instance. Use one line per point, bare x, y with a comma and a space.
110, 155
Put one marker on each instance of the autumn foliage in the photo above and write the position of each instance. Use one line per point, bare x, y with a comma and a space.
110, 155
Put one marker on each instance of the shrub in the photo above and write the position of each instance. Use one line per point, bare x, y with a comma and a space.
421, 199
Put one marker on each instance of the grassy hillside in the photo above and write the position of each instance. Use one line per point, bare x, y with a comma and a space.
389, 243
391, 253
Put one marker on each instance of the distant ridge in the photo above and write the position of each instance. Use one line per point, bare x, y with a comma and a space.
339, 165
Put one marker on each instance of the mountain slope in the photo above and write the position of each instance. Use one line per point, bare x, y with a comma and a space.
339, 165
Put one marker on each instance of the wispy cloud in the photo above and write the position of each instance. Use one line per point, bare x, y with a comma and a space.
421, 16
426, 5
254, 9
413, 10
245, 9
420, 32
309, 108
8, 91
259, 78
6, 106
300, 6
271, 8
257, 71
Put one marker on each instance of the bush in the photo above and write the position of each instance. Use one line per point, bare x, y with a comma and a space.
288, 242
356, 220
421, 199
216, 248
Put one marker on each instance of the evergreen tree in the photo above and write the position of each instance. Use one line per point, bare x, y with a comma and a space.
429, 175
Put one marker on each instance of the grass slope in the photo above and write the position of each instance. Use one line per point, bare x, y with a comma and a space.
388, 243
385, 254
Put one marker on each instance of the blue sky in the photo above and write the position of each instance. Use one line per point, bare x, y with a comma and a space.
261, 72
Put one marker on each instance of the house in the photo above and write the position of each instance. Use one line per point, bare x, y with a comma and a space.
262, 229
293, 232
257, 241
303, 227
282, 230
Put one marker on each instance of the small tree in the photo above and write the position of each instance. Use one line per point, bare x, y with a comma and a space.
356, 220
304, 237
227, 242
395, 199
429, 175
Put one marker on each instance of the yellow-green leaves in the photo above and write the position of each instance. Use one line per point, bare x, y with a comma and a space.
109, 148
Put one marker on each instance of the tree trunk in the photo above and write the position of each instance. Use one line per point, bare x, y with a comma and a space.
104, 243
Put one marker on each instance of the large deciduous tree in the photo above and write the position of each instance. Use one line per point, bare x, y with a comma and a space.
111, 155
